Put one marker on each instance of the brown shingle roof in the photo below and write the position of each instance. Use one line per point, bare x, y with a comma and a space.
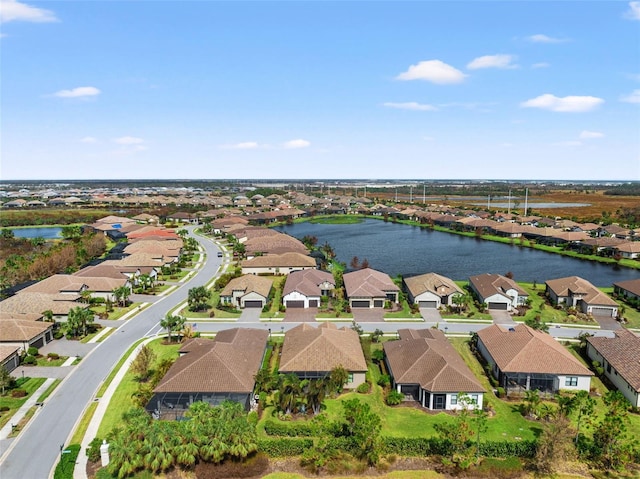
21, 330
286, 260
426, 357
524, 349
433, 283
307, 282
66, 282
488, 284
576, 285
368, 283
623, 353
38, 303
321, 349
275, 244
632, 285
226, 364
249, 283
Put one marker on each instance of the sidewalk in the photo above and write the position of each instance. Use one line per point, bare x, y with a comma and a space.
20, 413
80, 470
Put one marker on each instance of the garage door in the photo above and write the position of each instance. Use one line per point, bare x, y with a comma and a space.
428, 304
295, 304
502, 306
253, 304
313, 303
602, 312
360, 304
378, 304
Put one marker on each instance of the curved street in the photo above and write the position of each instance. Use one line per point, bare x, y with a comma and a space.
36, 450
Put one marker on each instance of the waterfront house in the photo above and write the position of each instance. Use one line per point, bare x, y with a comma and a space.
497, 291
431, 290
579, 293
304, 289
277, 264
368, 288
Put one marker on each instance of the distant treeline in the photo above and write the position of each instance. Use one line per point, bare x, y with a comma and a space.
627, 189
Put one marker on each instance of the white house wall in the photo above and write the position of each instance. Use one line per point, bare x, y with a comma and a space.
617, 380
584, 383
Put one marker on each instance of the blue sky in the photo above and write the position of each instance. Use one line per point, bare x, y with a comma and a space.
319, 89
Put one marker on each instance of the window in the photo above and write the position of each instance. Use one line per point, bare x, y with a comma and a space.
350, 379
474, 399
571, 381
454, 399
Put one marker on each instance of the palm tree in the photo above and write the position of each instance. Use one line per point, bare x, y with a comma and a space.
290, 390
316, 391
337, 378
532, 401
172, 323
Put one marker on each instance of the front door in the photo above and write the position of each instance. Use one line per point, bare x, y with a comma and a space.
439, 401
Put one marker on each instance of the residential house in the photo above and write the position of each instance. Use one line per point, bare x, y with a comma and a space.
312, 353
247, 291
368, 288
274, 244
523, 359
39, 303
23, 334
620, 359
276, 264
630, 250
74, 285
9, 357
304, 289
497, 291
424, 365
431, 290
579, 293
212, 371
628, 289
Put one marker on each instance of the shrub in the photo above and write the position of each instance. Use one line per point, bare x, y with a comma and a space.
394, 398
53, 356
293, 429
32, 351
64, 469
500, 392
384, 380
93, 451
29, 360
363, 388
4, 408
18, 393
58, 335
284, 447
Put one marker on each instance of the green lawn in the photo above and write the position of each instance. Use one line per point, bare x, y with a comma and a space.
276, 299
29, 385
122, 397
45, 361
404, 313
337, 219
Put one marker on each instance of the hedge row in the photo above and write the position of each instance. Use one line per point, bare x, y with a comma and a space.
418, 446
284, 447
293, 429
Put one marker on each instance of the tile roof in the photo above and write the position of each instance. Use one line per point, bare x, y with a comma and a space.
7, 351
623, 353
321, 349
249, 283
226, 364
66, 282
307, 282
432, 282
275, 244
368, 283
102, 270
565, 287
426, 357
527, 350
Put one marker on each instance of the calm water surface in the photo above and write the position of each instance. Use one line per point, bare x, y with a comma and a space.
410, 250
50, 232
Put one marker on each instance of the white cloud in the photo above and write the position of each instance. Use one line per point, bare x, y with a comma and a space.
434, 71
128, 140
79, 92
293, 144
411, 105
540, 65
493, 61
633, 97
11, 10
563, 104
88, 139
634, 11
586, 134
541, 38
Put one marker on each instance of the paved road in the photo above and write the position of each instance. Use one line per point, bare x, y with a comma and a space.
35, 451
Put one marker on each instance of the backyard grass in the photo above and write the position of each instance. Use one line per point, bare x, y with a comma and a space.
122, 398
631, 314
337, 219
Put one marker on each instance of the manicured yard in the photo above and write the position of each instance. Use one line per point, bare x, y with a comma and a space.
122, 398
276, 298
45, 361
29, 385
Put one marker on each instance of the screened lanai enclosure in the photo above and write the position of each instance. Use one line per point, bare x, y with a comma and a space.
518, 383
173, 405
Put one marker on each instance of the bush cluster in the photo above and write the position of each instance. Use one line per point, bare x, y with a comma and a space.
294, 429
419, 446
284, 447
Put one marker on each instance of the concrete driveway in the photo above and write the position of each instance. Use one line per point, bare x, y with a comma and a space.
501, 317
301, 315
607, 322
368, 315
431, 315
250, 315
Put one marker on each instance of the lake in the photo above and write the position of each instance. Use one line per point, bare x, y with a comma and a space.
411, 250
47, 232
